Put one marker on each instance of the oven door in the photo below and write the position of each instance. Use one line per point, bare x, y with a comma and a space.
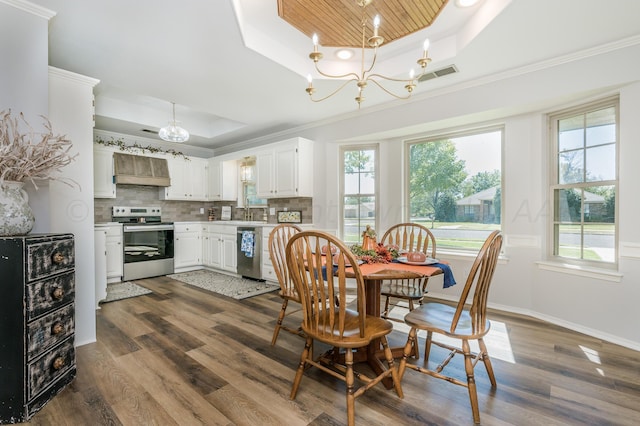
148, 250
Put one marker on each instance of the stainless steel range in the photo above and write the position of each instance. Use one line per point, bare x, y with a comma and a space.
148, 242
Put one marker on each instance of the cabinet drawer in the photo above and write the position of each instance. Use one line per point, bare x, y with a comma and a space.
46, 369
49, 330
46, 295
49, 257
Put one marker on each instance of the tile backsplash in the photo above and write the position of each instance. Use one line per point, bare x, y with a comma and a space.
185, 211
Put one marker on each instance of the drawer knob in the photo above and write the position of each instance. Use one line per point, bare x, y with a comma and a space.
58, 363
58, 293
57, 328
58, 258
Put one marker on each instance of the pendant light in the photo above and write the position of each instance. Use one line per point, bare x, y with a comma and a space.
172, 132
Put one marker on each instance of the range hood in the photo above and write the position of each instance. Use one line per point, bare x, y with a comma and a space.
140, 170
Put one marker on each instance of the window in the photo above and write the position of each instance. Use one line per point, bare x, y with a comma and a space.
584, 183
455, 186
359, 184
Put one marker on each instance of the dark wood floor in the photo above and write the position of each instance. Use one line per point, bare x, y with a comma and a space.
186, 357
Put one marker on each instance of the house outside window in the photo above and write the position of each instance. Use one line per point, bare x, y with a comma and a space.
359, 187
455, 186
584, 184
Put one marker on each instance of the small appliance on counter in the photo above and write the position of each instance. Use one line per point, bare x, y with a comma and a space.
212, 214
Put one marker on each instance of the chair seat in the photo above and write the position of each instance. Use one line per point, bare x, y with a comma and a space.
375, 328
402, 291
433, 316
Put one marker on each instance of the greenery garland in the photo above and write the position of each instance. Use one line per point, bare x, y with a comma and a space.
132, 148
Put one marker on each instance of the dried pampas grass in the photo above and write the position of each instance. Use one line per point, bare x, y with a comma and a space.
32, 155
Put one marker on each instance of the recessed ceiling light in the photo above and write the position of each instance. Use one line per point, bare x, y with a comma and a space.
344, 54
466, 3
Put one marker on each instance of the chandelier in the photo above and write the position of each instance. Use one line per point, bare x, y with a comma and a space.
172, 132
366, 75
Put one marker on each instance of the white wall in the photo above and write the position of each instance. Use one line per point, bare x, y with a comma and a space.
70, 207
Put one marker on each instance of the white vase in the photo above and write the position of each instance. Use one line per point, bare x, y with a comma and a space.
16, 216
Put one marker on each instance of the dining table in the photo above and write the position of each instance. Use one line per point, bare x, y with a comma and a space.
374, 274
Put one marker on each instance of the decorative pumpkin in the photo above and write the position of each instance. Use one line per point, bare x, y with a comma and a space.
369, 239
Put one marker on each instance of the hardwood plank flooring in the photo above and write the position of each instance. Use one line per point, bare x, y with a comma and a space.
184, 356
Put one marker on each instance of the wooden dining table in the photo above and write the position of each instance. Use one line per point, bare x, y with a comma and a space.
374, 274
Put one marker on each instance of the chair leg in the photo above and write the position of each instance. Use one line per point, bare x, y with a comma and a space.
394, 373
300, 372
350, 380
279, 322
385, 313
411, 342
471, 381
427, 347
487, 362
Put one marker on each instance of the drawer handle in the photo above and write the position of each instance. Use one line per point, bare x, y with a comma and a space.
58, 293
58, 258
58, 363
57, 328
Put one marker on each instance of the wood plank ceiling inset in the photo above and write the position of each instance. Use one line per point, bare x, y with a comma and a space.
338, 23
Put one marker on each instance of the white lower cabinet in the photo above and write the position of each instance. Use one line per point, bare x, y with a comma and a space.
187, 245
115, 254
219, 247
268, 273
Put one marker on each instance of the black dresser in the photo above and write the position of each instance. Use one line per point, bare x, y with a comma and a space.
37, 293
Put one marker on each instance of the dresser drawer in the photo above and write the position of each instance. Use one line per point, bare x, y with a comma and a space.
46, 369
49, 257
49, 330
44, 296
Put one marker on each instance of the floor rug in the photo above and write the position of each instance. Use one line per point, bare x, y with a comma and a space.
227, 285
119, 291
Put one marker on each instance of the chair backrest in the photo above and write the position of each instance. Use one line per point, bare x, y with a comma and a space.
321, 282
411, 237
480, 277
278, 239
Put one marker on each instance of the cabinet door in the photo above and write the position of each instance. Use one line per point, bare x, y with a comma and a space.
215, 180
286, 172
177, 190
265, 175
187, 249
197, 179
212, 250
229, 249
103, 186
114, 258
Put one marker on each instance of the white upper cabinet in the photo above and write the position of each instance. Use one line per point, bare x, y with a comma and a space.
285, 169
223, 180
189, 179
103, 185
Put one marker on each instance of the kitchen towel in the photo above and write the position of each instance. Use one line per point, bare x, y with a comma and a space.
247, 243
448, 274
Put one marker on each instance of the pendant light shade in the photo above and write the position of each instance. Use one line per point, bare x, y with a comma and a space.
173, 132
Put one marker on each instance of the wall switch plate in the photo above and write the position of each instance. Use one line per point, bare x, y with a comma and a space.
272, 211
201, 210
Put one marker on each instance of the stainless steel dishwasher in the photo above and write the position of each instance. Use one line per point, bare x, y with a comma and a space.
249, 250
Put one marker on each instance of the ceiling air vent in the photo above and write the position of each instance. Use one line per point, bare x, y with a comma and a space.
155, 132
451, 69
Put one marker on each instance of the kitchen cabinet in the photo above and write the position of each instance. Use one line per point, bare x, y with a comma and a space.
103, 183
115, 254
268, 273
223, 180
219, 247
285, 169
37, 322
187, 245
189, 179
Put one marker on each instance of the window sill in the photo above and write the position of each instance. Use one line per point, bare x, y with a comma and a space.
601, 274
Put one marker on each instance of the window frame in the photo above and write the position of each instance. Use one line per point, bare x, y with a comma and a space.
451, 134
553, 118
376, 194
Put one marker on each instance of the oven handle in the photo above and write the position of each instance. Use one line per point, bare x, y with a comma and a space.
142, 228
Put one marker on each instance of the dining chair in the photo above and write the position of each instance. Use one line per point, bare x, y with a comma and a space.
408, 237
463, 322
328, 317
278, 239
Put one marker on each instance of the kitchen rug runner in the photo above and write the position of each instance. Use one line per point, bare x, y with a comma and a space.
119, 291
227, 285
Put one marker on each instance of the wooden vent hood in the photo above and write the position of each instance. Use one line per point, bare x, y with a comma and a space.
140, 170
